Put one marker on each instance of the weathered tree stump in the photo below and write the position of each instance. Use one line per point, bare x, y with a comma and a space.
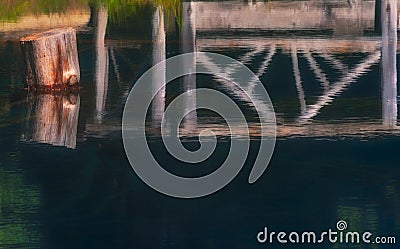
51, 59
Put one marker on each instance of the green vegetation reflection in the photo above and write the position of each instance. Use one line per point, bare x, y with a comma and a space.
18, 202
11, 11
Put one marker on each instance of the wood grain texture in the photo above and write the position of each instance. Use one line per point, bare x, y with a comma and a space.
51, 59
52, 118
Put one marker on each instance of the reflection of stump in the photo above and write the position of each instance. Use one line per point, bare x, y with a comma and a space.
51, 59
55, 119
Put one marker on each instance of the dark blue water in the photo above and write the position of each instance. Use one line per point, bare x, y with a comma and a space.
334, 162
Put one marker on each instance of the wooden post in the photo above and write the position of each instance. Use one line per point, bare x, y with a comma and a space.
388, 63
158, 75
51, 59
100, 16
188, 45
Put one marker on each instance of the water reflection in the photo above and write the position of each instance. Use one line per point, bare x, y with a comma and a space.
37, 22
346, 18
338, 87
299, 87
334, 62
101, 58
158, 75
19, 201
187, 42
53, 119
319, 61
188, 45
388, 65
318, 53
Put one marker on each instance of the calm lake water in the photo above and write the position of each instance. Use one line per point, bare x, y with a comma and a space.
330, 70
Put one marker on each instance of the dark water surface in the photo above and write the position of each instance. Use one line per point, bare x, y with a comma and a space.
65, 181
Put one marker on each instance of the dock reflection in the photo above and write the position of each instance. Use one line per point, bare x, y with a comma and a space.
324, 60
102, 61
388, 64
158, 75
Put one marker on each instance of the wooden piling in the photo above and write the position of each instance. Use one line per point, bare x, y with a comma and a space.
51, 59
